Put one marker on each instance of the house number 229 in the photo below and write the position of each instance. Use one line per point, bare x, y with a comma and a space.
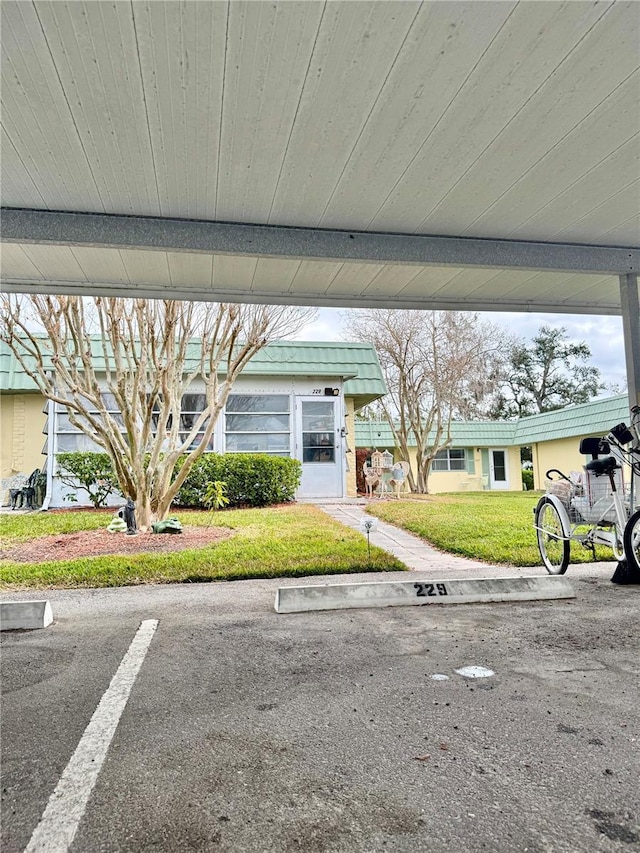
426, 589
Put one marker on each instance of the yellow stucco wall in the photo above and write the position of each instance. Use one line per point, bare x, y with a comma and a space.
21, 439
563, 454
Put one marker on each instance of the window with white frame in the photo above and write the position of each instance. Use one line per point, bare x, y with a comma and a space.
70, 438
450, 459
258, 423
192, 406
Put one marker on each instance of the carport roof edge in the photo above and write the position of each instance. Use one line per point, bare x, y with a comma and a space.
42, 227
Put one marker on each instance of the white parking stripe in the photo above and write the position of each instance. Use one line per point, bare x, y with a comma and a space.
65, 808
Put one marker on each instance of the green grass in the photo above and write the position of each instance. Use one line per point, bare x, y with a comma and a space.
495, 527
286, 541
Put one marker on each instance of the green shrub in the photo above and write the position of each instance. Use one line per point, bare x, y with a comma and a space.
527, 479
252, 479
92, 472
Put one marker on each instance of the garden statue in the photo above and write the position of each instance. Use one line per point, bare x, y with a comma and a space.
127, 513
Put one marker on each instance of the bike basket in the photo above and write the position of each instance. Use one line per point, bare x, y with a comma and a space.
598, 504
562, 489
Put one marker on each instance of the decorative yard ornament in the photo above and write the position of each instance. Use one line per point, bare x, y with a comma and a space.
169, 525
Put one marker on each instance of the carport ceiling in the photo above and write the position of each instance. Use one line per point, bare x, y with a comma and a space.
332, 127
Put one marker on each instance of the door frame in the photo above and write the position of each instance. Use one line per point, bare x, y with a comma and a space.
338, 463
498, 485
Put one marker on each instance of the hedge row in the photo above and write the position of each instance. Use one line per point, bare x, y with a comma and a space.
252, 479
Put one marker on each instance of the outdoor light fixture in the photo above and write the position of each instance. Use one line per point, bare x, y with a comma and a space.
331, 392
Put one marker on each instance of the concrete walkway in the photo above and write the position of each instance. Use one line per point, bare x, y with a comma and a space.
422, 557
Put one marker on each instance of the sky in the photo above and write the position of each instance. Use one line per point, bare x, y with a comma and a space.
603, 335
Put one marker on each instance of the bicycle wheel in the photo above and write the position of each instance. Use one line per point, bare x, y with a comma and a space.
632, 541
553, 541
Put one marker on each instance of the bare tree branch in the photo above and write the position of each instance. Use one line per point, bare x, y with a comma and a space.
438, 366
123, 387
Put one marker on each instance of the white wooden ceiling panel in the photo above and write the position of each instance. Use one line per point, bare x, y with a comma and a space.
495, 119
94, 49
547, 119
479, 283
391, 280
428, 281
618, 208
274, 274
17, 182
190, 270
55, 262
182, 56
353, 278
336, 101
565, 285
465, 282
100, 266
571, 169
146, 267
314, 276
45, 155
626, 233
269, 47
588, 196
233, 273
17, 263
525, 55
600, 290
445, 42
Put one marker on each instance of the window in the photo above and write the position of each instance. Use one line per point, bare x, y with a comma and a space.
318, 429
191, 406
69, 438
451, 459
258, 423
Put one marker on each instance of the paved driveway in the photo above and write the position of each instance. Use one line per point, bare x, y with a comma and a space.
246, 730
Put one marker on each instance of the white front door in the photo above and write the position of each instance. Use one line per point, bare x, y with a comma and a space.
319, 447
498, 469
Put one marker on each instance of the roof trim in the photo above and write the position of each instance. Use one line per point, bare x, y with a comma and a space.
45, 227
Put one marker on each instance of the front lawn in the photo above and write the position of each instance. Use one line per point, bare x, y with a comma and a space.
283, 541
496, 527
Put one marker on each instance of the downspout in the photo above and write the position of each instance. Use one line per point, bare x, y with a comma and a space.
51, 437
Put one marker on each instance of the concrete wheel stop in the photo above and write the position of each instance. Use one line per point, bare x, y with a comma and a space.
296, 599
25, 615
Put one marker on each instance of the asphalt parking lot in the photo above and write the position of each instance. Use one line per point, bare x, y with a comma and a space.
246, 730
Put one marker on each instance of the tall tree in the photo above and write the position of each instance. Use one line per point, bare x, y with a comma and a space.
438, 365
122, 366
550, 373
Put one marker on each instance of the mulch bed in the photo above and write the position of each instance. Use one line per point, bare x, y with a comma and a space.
94, 543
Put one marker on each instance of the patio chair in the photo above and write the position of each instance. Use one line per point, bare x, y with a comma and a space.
398, 478
371, 478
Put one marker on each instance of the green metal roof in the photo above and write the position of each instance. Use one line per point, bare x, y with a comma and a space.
593, 418
356, 363
464, 433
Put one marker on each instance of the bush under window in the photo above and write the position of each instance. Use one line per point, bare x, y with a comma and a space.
252, 479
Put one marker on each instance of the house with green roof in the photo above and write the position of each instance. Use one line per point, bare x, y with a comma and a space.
482, 455
293, 399
486, 454
554, 437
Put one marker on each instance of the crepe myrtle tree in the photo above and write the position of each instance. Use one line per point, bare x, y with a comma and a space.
122, 366
438, 366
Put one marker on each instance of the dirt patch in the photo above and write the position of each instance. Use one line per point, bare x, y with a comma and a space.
94, 543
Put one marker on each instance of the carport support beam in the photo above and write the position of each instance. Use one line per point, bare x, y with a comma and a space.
630, 305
